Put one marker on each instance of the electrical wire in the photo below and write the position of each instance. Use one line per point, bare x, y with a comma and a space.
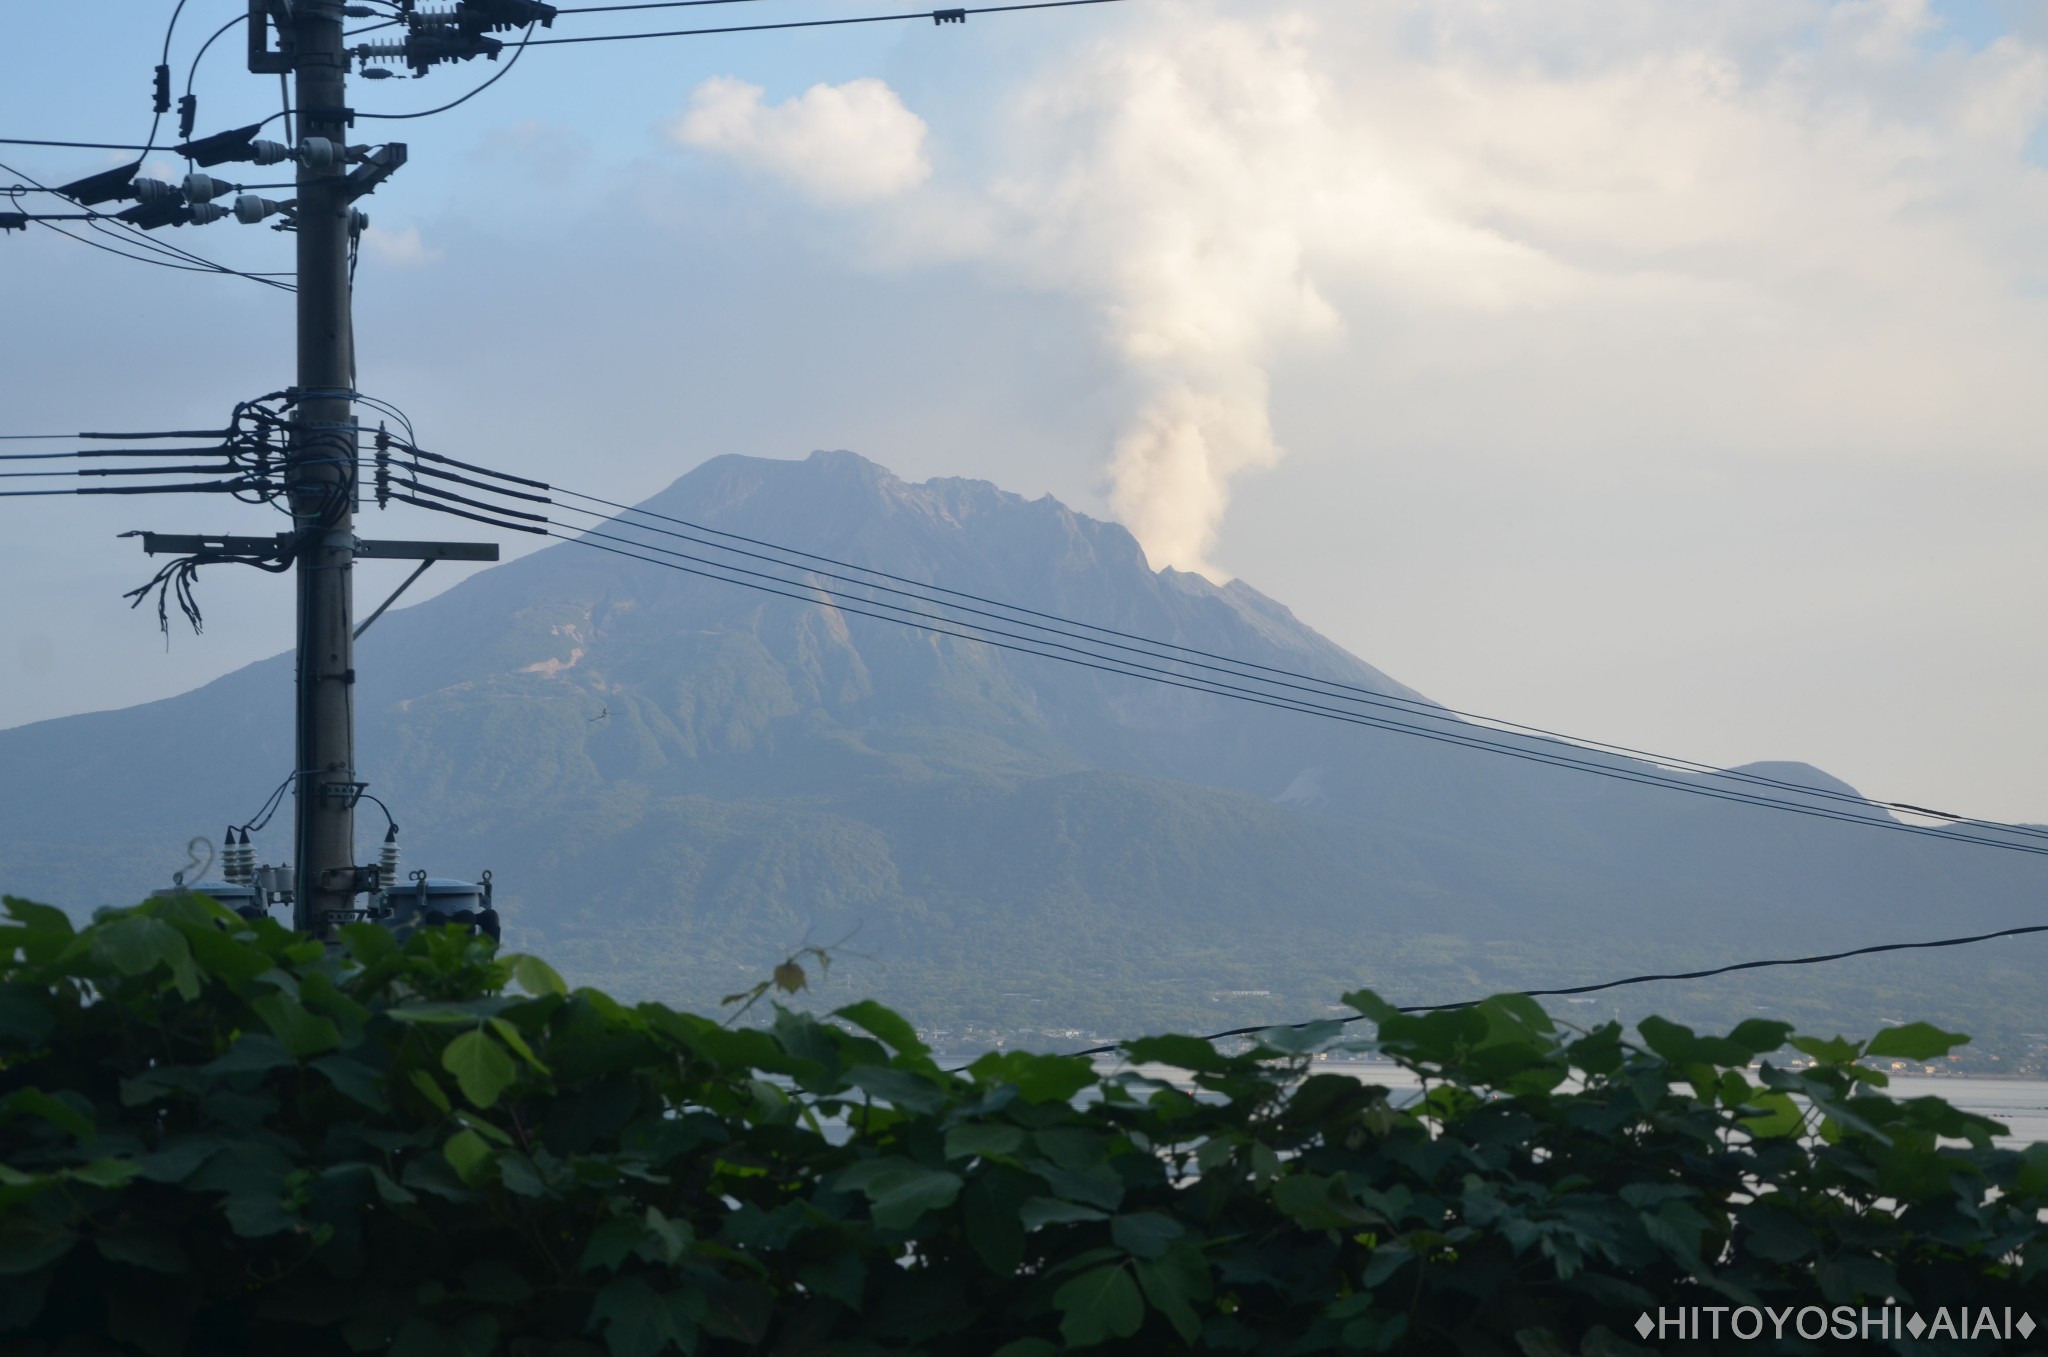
269, 807
1612, 984
1459, 721
174, 256
45, 218
1108, 664
1560, 752
190, 487
650, 4
141, 258
192, 70
931, 14
163, 62
101, 452
124, 471
1285, 678
78, 145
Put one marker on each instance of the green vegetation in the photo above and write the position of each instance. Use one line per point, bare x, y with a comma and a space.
218, 1137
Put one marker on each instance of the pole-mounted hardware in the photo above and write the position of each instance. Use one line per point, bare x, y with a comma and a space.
376, 167
186, 543
105, 187
457, 34
263, 59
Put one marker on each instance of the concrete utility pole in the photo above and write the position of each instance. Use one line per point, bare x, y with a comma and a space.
321, 470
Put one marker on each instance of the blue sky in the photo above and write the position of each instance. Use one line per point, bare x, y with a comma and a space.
1658, 371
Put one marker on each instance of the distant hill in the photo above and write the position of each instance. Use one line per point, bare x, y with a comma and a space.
1006, 843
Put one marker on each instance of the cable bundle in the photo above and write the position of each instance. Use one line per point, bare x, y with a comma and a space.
810, 578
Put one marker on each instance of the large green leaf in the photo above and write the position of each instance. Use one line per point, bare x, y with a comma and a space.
885, 1023
1099, 1305
1027, 1347
222, 955
1145, 1234
536, 977
991, 1210
969, 1140
136, 944
29, 1243
354, 1079
898, 1088
1915, 1041
1779, 1115
303, 1033
143, 1244
481, 1067
253, 1053
26, 1016
1182, 1053
899, 1191
1037, 1078
1175, 1285
1683, 1047
1037, 1212
637, 1320
65, 1112
35, 918
469, 1154
612, 1242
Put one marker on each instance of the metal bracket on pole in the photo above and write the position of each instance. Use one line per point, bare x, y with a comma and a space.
418, 571
343, 793
377, 166
263, 61
426, 553
184, 544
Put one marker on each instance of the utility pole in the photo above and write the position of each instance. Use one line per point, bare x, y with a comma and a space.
321, 471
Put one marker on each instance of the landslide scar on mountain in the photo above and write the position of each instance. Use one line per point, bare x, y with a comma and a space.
554, 667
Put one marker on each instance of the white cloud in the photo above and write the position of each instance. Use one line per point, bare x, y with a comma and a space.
403, 249
838, 143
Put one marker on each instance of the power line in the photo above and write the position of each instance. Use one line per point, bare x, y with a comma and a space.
166, 433
650, 4
163, 75
1555, 750
1317, 687
935, 15
77, 145
137, 239
1459, 735
1615, 984
192, 71
146, 259
1323, 687
1109, 664
1050, 649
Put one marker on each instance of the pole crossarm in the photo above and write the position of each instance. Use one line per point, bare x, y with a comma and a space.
426, 551
185, 544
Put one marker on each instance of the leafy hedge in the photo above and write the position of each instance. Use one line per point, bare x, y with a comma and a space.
217, 1137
